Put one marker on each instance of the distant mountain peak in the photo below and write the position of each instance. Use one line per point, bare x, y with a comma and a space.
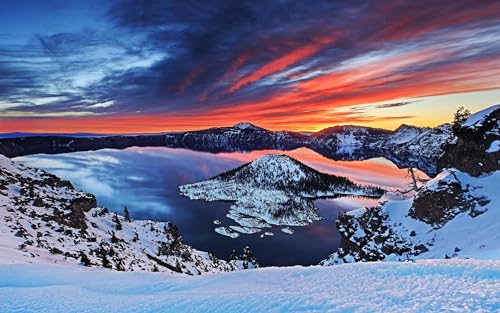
247, 126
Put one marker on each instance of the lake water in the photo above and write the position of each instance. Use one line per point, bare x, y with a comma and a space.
146, 180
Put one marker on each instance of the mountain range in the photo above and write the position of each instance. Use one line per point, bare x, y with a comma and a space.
407, 146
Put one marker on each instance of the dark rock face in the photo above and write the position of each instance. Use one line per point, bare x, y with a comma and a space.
78, 207
436, 207
368, 237
83, 204
469, 153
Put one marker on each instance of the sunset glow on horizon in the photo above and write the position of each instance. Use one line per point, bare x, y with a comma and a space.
150, 67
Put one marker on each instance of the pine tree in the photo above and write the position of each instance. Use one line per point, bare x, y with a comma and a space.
105, 261
113, 238
116, 219
120, 266
414, 184
136, 237
248, 258
460, 116
84, 259
234, 255
126, 214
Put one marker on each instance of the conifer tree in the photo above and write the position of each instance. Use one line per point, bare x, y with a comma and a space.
116, 219
126, 214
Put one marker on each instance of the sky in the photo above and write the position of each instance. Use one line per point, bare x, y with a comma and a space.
152, 66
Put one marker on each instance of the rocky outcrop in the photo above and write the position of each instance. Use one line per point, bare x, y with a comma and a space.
439, 205
368, 236
476, 148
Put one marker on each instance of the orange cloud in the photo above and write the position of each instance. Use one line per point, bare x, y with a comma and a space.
235, 66
281, 63
189, 79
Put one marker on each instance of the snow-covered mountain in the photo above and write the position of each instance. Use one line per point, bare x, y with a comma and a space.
349, 139
247, 126
457, 214
407, 146
242, 136
273, 190
43, 219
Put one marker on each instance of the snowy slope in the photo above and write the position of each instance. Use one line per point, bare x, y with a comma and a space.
274, 189
43, 219
455, 215
476, 120
425, 286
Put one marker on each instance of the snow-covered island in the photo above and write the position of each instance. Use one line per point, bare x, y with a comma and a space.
273, 190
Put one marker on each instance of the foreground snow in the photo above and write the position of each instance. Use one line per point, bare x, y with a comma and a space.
425, 286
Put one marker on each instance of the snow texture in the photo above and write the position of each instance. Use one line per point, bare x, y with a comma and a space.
424, 286
494, 147
476, 119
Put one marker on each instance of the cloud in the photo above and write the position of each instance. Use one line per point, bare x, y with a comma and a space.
394, 104
277, 62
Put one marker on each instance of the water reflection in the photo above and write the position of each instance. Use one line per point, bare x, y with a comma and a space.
146, 180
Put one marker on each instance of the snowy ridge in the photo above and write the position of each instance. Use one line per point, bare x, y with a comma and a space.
477, 119
44, 220
247, 126
424, 286
273, 190
456, 214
